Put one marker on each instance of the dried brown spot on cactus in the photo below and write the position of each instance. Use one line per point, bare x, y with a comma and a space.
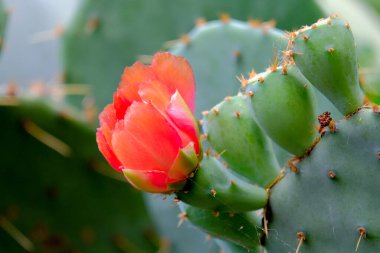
213, 192
305, 38
331, 174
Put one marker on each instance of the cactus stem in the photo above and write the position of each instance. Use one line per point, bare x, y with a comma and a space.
331, 174
301, 237
16, 234
199, 22
331, 50
362, 234
182, 217
47, 139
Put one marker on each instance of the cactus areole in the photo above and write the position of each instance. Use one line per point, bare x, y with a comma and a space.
149, 132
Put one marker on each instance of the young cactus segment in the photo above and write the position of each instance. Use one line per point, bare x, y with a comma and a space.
214, 187
283, 103
328, 60
243, 229
335, 194
243, 146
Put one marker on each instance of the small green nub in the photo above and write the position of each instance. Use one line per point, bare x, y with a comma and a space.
328, 60
283, 103
243, 146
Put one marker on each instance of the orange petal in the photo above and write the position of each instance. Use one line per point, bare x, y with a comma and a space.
107, 120
120, 102
145, 140
149, 181
132, 77
176, 74
184, 120
156, 93
107, 151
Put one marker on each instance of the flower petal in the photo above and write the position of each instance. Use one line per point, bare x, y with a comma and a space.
176, 73
108, 120
149, 181
156, 93
107, 151
120, 102
184, 120
145, 140
132, 77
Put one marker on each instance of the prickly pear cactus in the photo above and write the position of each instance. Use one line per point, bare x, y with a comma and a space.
53, 196
326, 198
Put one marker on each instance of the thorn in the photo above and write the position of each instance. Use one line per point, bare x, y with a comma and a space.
207, 153
199, 22
225, 18
16, 234
204, 137
92, 24
254, 23
213, 192
331, 174
260, 79
232, 182
182, 217
285, 69
305, 38
301, 237
237, 114
215, 111
314, 26
292, 164
228, 98
205, 113
376, 109
273, 68
332, 16
200, 121
244, 82
331, 50
328, 21
215, 213
289, 53
363, 234
252, 74
237, 54
249, 93
208, 237
47, 139
321, 19
185, 39
348, 26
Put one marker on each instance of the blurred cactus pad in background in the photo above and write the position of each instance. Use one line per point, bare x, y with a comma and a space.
287, 106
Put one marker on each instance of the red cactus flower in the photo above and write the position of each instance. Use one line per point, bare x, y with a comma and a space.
149, 132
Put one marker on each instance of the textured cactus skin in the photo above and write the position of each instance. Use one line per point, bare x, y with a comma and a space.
342, 204
240, 49
108, 36
249, 153
62, 203
329, 48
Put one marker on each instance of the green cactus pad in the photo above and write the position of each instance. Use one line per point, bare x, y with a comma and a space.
244, 146
326, 54
334, 194
214, 187
283, 103
220, 52
240, 228
53, 198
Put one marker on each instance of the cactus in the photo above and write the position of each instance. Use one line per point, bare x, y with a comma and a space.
53, 197
325, 200
112, 33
